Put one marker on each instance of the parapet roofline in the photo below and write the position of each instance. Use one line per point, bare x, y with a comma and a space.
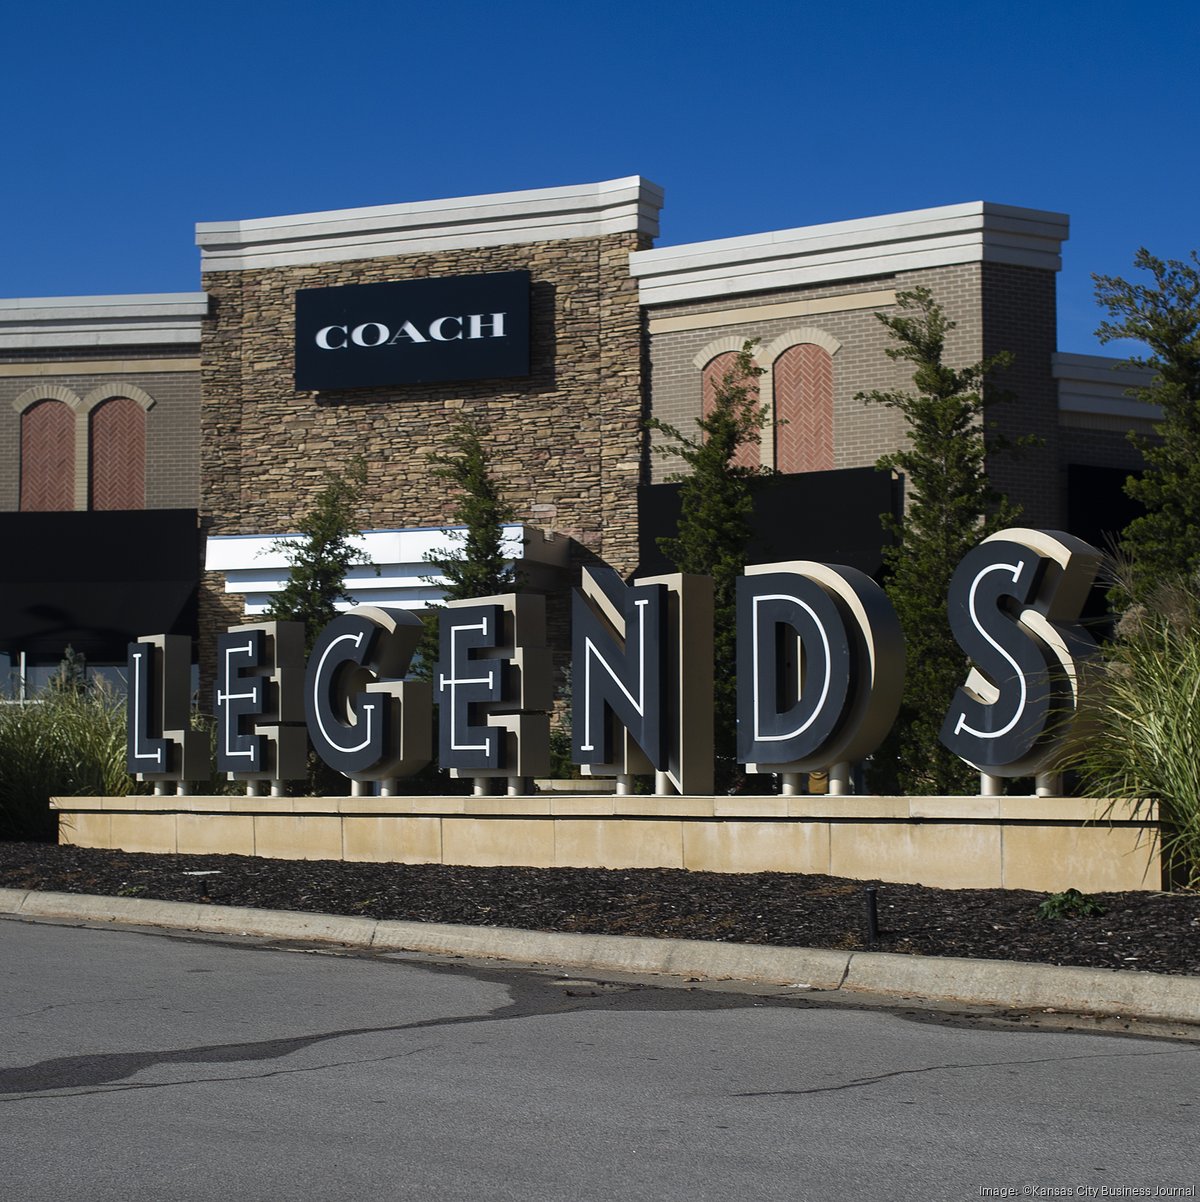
135, 319
628, 205
978, 231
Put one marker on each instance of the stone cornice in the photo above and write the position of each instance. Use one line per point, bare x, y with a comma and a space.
60, 322
628, 205
868, 247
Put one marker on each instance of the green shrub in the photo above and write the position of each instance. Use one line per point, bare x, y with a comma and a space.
1142, 721
1069, 904
68, 741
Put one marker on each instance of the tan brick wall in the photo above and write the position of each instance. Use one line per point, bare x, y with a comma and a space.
996, 307
860, 433
172, 424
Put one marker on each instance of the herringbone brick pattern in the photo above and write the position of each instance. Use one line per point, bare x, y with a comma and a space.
47, 457
118, 455
714, 376
804, 406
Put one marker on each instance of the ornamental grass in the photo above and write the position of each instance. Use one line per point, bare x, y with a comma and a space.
1142, 722
67, 742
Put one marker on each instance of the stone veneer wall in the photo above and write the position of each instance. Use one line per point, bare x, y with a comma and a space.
566, 441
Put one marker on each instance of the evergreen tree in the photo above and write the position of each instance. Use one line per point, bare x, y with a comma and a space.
320, 558
477, 567
950, 506
713, 536
1164, 315
322, 554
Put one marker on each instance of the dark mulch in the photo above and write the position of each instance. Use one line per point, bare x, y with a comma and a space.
1159, 932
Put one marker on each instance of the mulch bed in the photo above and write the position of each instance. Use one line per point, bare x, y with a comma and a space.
1158, 932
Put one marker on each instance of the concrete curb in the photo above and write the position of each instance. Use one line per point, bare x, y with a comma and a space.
1142, 995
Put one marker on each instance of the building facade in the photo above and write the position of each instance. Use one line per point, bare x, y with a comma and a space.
148, 438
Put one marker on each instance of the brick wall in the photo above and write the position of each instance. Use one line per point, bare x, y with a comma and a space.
861, 433
995, 307
1019, 316
172, 478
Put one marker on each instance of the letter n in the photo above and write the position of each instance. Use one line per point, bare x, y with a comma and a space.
618, 645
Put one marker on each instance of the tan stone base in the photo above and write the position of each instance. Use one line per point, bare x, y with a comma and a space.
1044, 844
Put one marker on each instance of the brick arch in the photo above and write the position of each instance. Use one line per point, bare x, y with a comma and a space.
47, 392
107, 392
718, 346
117, 459
811, 334
749, 454
47, 455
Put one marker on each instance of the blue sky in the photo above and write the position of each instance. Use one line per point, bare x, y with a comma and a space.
129, 122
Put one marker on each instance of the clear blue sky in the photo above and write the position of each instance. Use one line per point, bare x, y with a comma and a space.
126, 123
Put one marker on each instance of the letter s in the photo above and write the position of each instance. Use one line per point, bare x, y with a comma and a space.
1013, 604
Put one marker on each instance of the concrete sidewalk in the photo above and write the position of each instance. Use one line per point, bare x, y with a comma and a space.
1142, 995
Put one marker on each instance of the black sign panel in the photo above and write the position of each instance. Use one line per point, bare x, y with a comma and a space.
470, 327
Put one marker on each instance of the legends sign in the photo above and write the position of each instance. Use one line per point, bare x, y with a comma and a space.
820, 675
473, 327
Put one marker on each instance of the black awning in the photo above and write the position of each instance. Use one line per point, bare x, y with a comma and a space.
96, 580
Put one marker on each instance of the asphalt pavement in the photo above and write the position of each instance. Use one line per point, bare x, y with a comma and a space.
143, 1064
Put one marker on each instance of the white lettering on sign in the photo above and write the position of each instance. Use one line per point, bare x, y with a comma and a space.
495, 322
369, 334
360, 337
325, 335
436, 327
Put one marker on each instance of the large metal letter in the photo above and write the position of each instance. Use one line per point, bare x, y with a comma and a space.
259, 706
362, 719
1014, 603
820, 666
619, 668
161, 744
494, 686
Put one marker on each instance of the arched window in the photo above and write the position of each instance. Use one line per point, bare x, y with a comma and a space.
803, 383
47, 456
118, 455
715, 371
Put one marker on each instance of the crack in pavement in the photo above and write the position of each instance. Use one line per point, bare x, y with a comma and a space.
529, 999
863, 1082
101, 1001
264, 1076
68, 1072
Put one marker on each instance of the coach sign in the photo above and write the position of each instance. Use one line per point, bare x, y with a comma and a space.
473, 327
